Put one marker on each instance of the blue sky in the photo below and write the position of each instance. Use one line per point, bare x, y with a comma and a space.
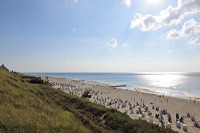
100, 36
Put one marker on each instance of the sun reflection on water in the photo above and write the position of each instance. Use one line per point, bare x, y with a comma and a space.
164, 80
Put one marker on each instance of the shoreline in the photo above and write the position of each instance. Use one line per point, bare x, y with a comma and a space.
146, 90
159, 91
138, 88
104, 94
150, 91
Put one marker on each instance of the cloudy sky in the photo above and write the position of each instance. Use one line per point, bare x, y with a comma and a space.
100, 35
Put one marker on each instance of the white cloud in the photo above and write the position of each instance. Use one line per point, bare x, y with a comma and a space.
195, 40
76, 1
146, 23
136, 20
167, 17
189, 27
112, 43
74, 30
125, 45
174, 34
127, 2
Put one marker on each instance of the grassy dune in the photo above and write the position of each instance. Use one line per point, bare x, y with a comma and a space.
26, 107
22, 110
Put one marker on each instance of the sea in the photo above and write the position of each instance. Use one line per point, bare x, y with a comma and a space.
175, 84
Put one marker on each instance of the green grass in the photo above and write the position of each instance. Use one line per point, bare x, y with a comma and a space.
26, 107
21, 110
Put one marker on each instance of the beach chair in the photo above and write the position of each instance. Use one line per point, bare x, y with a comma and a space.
157, 108
177, 116
115, 106
169, 125
192, 118
139, 117
169, 119
178, 125
168, 114
182, 120
149, 113
108, 104
118, 104
123, 105
146, 108
137, 111
151, 119
162, 123
196, 124
161, 118
126, 111
188, 114
143, 114
164, 111
131, 112
185, 128
157, 116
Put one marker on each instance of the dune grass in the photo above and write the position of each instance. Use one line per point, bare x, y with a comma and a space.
26, 107
23, 111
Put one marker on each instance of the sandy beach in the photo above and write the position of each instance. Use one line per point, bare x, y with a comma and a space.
178, 114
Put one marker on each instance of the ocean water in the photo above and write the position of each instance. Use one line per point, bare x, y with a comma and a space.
184, 85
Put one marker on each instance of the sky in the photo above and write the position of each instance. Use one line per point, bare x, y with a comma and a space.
100, 35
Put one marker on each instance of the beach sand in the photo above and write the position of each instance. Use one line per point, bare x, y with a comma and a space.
105, 94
